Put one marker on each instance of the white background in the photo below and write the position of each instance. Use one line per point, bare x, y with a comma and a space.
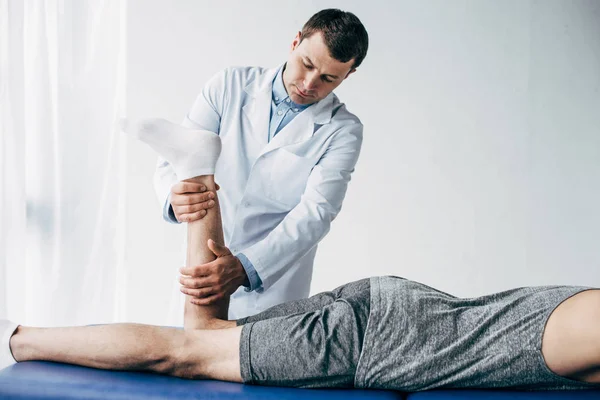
480, 168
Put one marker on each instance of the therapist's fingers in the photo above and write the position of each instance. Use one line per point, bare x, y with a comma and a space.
193, 212
191, 217
189, 208
199, 271
190, 199
193, 208
199, 293
188, 187
196, 283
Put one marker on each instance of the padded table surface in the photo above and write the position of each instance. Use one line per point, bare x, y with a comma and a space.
47, 380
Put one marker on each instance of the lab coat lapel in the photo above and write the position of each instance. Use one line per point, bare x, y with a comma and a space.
304, 125
258, 107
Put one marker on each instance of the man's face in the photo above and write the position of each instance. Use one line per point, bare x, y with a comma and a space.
311, 73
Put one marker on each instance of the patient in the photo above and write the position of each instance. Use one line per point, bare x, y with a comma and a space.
383, 332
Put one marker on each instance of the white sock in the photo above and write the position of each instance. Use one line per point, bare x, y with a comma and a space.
7, 328
191, 152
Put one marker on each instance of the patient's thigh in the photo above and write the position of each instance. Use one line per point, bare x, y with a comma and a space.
320, 348
571, 340
313, 303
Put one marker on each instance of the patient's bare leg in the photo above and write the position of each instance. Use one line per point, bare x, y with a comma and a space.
198, 233
193, 155
194, 354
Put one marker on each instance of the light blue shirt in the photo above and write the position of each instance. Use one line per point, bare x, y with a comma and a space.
283, 111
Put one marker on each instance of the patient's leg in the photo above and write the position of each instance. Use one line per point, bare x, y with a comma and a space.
194, 354
198, 233
319, 348
193, 154
313, 303
323, 341
320, 342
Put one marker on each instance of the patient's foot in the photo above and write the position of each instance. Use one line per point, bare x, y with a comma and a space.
7, 329
191, 152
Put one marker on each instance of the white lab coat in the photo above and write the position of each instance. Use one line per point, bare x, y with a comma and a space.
277, 198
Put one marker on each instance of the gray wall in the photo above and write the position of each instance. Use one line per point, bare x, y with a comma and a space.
480, 167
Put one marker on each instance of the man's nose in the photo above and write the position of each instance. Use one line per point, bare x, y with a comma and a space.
311, 82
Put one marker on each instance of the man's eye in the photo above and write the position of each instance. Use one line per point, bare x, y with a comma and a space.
327, 80
307, 66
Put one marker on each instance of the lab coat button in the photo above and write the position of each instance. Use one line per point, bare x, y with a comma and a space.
279, 112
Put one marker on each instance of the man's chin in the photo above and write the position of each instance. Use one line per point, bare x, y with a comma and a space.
301, 100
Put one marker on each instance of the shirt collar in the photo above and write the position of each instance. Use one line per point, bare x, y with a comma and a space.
279, 92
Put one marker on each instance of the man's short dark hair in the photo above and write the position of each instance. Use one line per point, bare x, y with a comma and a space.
344, 34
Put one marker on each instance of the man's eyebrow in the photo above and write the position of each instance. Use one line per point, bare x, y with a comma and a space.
311, 63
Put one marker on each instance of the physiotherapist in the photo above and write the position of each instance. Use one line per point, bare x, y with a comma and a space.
289, 147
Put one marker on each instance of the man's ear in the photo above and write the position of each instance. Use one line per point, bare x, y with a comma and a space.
296, 41
353, 70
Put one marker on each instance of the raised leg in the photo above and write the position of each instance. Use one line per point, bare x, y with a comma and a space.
571, 340
198, 233
193, 155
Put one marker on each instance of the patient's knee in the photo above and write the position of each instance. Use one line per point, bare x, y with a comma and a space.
183, 361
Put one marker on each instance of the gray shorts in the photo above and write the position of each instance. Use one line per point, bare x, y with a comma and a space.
393, 333
309, 343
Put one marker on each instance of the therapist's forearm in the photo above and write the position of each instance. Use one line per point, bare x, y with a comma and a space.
209, 227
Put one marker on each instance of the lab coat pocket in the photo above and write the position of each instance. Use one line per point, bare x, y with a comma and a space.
288, 176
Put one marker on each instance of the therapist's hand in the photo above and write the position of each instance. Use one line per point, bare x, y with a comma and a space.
191, 201
213, 281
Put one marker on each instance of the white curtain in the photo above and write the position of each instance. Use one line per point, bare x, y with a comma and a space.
62, 162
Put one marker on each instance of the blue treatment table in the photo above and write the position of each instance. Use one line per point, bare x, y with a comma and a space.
47, 380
